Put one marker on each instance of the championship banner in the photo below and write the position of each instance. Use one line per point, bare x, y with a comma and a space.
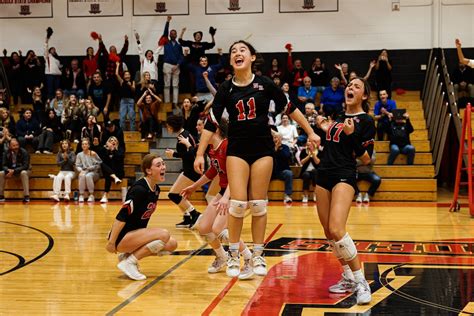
234, 6
94, 8
153, 7
14, 9
301, 6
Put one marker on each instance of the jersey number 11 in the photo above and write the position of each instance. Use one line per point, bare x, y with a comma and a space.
241, 108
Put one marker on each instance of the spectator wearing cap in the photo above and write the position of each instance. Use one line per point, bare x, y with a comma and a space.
113, 130
332, 99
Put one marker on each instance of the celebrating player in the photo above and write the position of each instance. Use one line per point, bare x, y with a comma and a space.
249, 153
129, 234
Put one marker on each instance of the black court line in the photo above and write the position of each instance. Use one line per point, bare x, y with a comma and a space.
155, 281
48, 249
21, 261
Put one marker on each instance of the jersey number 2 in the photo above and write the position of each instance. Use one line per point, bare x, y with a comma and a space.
241, 108
339, 128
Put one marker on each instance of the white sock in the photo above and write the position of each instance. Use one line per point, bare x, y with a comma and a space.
132, 259
246, 253
234, 248
258, 249
358, 276
348, 272
220, 252
189, 210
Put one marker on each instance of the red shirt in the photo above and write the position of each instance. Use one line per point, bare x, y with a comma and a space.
218, 159
89, 66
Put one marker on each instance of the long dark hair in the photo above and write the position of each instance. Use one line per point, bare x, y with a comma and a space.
258, 62
366, 102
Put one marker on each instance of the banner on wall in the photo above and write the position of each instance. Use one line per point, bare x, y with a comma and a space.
234, 6
94, 8
153, 7
299, 6
13, 9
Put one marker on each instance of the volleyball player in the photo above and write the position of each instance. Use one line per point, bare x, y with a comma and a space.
249, 153
129, 234
213, 223
185, 149
351, 133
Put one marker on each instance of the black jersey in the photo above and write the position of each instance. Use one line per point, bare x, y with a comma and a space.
249, 132
139, 206
187, 155
340, 150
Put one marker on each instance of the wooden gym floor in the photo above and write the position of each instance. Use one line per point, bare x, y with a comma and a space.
418, 258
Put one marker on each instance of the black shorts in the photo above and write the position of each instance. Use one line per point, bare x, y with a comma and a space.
251, 150
191, 174
329, 180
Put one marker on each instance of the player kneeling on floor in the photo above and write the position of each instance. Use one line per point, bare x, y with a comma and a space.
129, 234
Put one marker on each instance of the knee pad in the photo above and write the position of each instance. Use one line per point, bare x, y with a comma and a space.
258, 207
346, 248
155, 246
175, 197
237, 208
336, 253
209, 198
210, 237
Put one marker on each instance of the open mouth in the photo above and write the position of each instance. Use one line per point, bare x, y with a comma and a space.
239, 61
350, 95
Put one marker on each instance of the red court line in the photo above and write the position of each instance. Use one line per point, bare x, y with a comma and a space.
231, 283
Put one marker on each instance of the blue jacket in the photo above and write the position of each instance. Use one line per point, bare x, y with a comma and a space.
390, 106
173, 51
200, 82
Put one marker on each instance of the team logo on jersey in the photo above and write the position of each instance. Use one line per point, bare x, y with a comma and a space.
257, 86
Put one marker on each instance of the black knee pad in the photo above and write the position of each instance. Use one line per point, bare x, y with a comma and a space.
175, 197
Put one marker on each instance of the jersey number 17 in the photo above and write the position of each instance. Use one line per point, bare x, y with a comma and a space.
339, 128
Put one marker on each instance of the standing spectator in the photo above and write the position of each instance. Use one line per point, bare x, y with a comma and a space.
148, 104
462, 80
296, 72
74, 80
202, 91
172, 59
66, 160
399, 136
28, 130
332, 99
367, 173
191, 113
309, 171
52, 69
93, 132
383, 113
88, 166
197, 48
90, 62
289, 135
112, 165
56, 104
32, 75
38, 103
127, 100
100, 94
145, 84
319, 75
71, 119
343, 74
275, 71
306, 93
281, 167
383, 73
14, 73
148, 60
112, 130
51, 132
15, 163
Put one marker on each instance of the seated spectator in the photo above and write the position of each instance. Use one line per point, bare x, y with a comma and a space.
72, 120
15, 163
310, 112
275, 71
88, 166
88, 108
4, 98
7, 121
112, 129
383, 113
93, 132
28, 130
367, 173
112, 165
343, 74
289, 135
307, 93
319, 75
5, 139
148, 104
127, 98
191, 112
74, 81
399, 136
66, 160
309, 171
57, 104
281, 167
332, 99
51, 132
462, 80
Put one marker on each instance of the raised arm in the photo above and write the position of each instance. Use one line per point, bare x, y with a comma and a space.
461, 57
117, 72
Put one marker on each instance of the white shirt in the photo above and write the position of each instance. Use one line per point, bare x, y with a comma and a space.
289, 134
53, 65
147, 65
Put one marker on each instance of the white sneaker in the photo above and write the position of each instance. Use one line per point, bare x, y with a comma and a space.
55, 197
259, 265
344, 285
90, 198
366, 198
122, 256
305, 199
131, 270
37, 152
218, 264
287, 199
363, 293
81, 198
104, 199
67, 198
233, 266
359, 198
247, 270
47, 152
